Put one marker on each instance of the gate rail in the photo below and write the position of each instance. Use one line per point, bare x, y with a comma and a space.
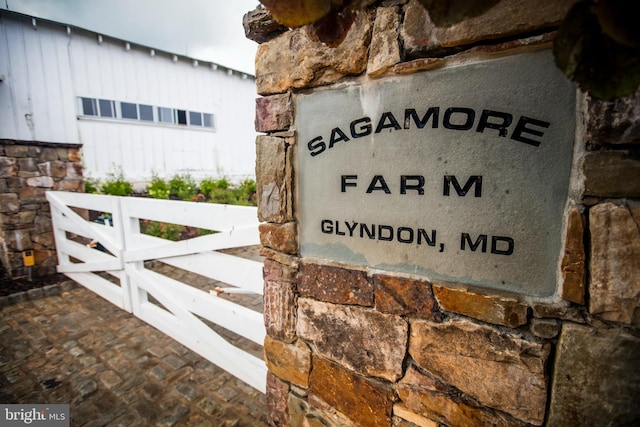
118, 273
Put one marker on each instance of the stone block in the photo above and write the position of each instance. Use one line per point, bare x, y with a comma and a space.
69, 185
405, 297
295, 60
40, 181
573, 261
47, 154
384, 51
274, 113
277, 400
363, 401
32, 195
289, 362
16, 150
54, 169
611, 174
9, 203
615, 262
506, 19
613, 122
557, 311
596, 378
74, 171
401, 411
274, 179
491, 309
279, 301
260, 26
335, 284
28, 164
501, 370
306, 414
364, 340
545, 328
281, 237
74, 155
8, 167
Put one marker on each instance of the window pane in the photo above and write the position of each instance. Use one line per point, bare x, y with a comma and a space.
129, 111
208, 120
164, 115
195, 118
146, 112
89, 107
181, 117
106, 108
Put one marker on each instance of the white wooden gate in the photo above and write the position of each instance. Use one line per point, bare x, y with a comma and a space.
117, 272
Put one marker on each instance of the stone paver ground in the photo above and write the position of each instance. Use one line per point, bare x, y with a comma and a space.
68, 345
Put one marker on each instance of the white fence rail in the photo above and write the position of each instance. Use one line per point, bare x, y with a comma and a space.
117, 271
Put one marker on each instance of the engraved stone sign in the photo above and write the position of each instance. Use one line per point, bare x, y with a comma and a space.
458, 174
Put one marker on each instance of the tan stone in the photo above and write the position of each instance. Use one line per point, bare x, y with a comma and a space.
277, 396
491, 309
274, 113
335, 284
363, 401
363, 340
384, 51
501, 370
397, 295
32, 194
74, 155
294, 60
274, 179
573, 261
615, 263
279, 301
400, 410
290, 362
428, 398
596, 379
611, 174
282, 237
288, 260
506, 19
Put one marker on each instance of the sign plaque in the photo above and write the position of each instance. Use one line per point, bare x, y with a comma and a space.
458, 174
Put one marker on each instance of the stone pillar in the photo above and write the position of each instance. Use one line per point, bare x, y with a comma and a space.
355, 346
27, 170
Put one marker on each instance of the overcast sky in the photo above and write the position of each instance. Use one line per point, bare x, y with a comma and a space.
209, 30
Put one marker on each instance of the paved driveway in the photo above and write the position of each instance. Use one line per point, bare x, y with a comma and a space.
68, 345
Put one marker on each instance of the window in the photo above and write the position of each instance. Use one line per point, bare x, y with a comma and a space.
129, 111
146, 112
89, 107
195, 118
165, 115
107, 108
208, 120
181, 117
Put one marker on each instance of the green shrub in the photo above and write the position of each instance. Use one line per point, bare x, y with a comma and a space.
91, 185
158, 188
163, 230
183, 186
116, 185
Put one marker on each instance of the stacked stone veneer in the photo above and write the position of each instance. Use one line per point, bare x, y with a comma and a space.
27, 171
353, 346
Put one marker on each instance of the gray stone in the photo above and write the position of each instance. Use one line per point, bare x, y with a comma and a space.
260, 26
384, 51
364, 340
596, 378
614, 122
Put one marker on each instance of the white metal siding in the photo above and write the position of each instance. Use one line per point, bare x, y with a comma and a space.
47, 69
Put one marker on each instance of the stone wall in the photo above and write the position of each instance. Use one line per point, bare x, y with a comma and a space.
27, 170
354, 346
